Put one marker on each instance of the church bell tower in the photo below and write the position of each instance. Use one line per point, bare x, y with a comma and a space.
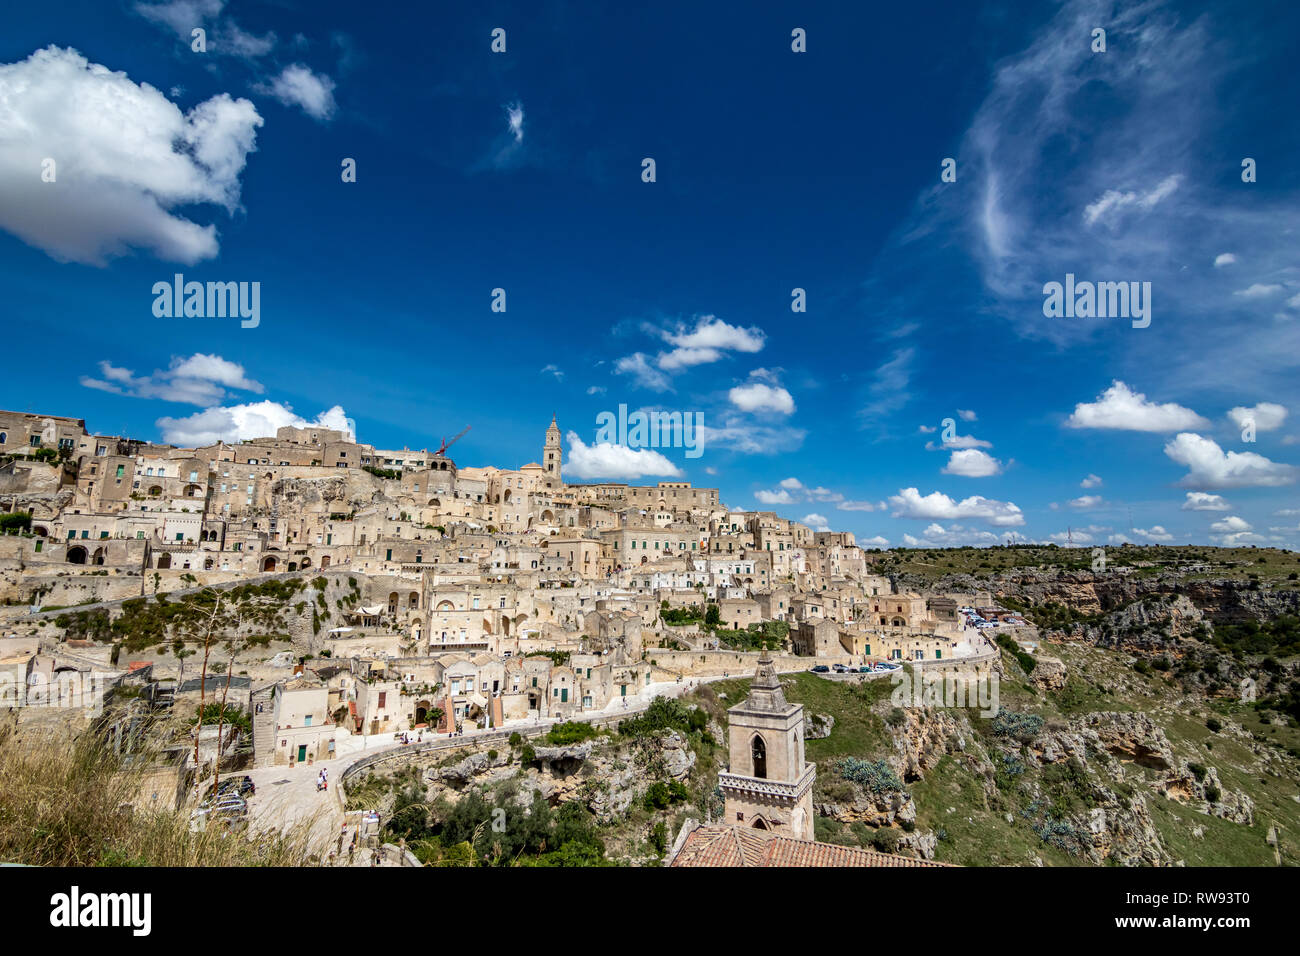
769, 785
552, 453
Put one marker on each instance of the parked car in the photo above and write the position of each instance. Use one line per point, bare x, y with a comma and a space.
241, 786
821, 669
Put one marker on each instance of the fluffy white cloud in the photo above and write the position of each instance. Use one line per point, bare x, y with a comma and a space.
1267, 416
761, 397
239, 422
955, 535
780, 497
607, 460
125, 156
1224, 259
876, 542
966, 415
910, 503
197, 380
1231, 523
816, 522
1201, 501
972, 463
1085, 502
1209, 467
710, 332
1154, 533
1120, 407
856, 506
1092, 481
297, 85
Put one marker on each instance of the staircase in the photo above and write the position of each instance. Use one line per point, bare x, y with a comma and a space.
263, 725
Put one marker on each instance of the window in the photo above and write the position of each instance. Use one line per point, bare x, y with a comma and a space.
121, 469
383, 699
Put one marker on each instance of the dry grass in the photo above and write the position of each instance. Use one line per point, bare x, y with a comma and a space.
72, 802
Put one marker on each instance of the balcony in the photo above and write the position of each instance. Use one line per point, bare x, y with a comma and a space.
761, 786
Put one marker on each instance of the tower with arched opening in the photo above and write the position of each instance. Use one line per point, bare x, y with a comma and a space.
769, 785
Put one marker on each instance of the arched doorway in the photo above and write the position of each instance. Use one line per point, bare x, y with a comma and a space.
98, 557
422, 712
77, 555
164, 562
269, 564
325, 561
758, 750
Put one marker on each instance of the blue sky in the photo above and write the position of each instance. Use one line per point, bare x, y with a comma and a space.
775, 170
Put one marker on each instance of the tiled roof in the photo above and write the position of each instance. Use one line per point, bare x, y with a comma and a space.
746, 846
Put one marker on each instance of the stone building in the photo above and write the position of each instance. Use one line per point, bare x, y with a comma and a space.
769, 785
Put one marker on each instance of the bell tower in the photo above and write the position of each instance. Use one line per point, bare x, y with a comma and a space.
552, 453
769, 785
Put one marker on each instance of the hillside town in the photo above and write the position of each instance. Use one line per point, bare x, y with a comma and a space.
439, 599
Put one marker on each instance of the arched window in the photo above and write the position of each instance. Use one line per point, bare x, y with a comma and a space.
758, 750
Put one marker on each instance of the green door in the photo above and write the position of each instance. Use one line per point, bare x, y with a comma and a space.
302, 752
564, 695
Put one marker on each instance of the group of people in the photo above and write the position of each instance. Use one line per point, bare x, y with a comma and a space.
322, 780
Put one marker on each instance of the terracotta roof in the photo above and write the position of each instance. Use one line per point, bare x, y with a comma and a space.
746, 846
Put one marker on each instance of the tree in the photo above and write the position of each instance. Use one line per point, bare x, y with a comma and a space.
712, 616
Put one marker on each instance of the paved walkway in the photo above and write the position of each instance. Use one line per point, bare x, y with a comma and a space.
287, 796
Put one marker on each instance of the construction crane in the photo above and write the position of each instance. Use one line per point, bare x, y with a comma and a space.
447, 444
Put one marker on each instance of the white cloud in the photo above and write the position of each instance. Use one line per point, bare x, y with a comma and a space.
554, 370
793, 484
1209, 467
1200, 501
966, 415
760, 397
240, 422
710, 332
972, 463
876, 542
1092, 481
125, 156
959, 441
1112, 200
1267, 416
1086, 502
1259, 290
1224, 259
642, 372
856, 506
297, 85
955, 535
595, 389
183, 16
1119, 407
515, 121
197, 380
781, 497
1232, 523
816, 522
909, 503
607, 460
1154, 533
